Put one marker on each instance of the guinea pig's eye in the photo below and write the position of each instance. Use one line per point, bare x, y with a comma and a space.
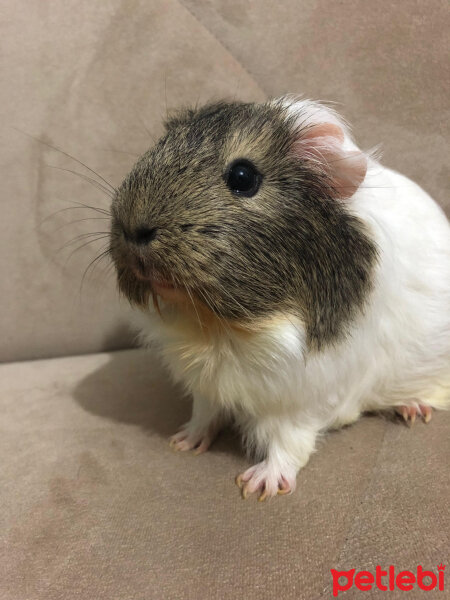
243, 178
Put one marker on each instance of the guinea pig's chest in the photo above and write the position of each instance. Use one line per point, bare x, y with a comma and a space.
235, 368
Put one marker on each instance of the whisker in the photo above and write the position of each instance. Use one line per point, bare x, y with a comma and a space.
195, 308
109, 269
107, 272
90, 180
82, 236
105, 211
94, 262
36, 139
82, 246
219, 315
80, 220
99, 210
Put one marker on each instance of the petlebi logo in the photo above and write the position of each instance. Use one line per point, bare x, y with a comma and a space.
388, 580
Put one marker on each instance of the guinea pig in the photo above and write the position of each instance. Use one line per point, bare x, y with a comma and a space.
289, 280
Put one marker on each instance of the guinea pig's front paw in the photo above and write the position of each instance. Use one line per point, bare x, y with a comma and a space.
267, 480
191, 437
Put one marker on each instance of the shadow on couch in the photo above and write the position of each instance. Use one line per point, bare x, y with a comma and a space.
134, 388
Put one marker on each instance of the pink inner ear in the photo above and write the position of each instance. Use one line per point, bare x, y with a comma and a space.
323, 144
323, 130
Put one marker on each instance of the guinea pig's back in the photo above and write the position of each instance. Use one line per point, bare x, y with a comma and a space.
410, 309
411, 230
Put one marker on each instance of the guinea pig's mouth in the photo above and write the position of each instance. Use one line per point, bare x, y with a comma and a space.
159, 284
154, 278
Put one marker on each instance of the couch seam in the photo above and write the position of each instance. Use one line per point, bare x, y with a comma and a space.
223, 44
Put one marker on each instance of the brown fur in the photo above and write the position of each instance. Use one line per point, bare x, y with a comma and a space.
291, 248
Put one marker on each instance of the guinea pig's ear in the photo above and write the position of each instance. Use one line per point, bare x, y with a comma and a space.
323, 144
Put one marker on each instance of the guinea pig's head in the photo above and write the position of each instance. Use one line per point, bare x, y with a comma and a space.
243, 208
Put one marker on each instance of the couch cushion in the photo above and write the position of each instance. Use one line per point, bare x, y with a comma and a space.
96, 505
96, 79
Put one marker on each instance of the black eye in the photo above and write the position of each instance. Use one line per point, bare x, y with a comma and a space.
243, 178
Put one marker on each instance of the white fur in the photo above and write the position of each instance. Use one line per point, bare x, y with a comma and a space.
397, 353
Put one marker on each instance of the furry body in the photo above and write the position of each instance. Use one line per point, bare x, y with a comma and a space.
279, 388
397, 352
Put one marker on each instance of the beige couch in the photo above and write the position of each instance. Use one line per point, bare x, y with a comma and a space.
93, 504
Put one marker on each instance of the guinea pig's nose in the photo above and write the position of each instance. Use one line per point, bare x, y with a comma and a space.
144, 235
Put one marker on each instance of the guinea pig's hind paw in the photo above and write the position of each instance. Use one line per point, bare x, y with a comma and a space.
409, 413
266, 481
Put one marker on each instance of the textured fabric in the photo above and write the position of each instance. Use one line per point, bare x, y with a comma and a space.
96, 78
93, 78
94, 504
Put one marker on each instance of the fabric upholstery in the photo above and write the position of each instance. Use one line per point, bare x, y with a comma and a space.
94, 503
96, 79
